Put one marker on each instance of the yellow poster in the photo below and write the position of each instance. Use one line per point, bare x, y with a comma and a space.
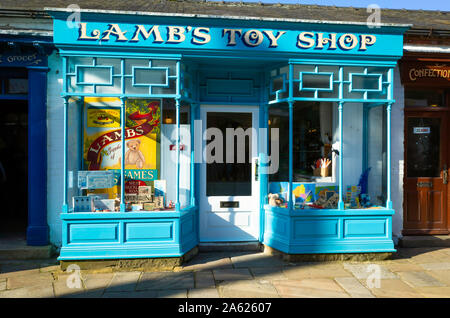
102, 136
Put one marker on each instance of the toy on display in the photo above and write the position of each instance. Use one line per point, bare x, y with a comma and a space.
275, 199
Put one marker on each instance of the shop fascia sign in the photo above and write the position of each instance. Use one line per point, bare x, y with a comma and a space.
204, 35
425, 72
195, 37
27, 59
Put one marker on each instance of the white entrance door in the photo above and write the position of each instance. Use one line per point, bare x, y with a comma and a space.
229, 190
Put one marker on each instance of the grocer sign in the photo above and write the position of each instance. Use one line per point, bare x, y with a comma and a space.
227, 38
24, 59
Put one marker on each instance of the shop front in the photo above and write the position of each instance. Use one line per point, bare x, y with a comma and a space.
182, 131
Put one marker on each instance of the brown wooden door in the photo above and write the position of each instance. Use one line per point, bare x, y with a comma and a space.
426, 163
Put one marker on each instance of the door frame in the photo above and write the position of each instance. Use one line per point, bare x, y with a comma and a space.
425, 112
241, 108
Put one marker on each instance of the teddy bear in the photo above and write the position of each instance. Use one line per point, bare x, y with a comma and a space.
133, 155
275, 200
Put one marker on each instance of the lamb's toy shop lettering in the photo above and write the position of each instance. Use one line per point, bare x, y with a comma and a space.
159, 35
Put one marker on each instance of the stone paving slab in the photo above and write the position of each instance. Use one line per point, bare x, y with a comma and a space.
166, 280
393, 288
441, 275
436, 266
123, 281
182, 293
435, 292
310, 288
28, 280
268, 274
232, 274
247, 289
403, 267
133, 294
364, 271
423, 255
316, 270
204, 279
40, 291
97, 281
353, 287
203, 293
420, 279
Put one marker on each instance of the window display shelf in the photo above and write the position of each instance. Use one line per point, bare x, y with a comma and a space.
328, 231
111, 235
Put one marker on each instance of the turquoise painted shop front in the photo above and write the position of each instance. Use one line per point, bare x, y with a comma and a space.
294, 72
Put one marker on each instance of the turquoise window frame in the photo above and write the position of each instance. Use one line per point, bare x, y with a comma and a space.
123, 96
279, 91
78, 73
330, 82
383, 87
134, 68
380, 82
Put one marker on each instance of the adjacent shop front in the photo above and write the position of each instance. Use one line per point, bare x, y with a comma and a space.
183, 130
426, 78
23, 132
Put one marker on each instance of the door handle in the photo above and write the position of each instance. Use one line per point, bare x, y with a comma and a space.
445, 175
256, 161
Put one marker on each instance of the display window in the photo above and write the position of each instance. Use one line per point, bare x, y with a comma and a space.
122, 153
149, 162
332, 127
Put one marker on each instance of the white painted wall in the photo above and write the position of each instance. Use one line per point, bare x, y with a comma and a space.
397, 153
55, 148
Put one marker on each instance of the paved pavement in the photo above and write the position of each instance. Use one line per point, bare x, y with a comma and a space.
412, 273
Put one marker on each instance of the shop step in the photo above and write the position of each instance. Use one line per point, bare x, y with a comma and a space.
17, 249
425, 241
230, 246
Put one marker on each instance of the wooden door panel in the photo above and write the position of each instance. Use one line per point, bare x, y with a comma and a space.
435, 204
413, 208
426, 157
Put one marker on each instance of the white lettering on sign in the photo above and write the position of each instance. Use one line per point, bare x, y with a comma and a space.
421, 130
157, 34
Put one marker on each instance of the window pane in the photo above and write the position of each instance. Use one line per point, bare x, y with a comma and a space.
313, 123
423, 152
423, 98
16, 86
230, 173
94, 75
169, 153
279, 120
316, 81
150, 77
99, 185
